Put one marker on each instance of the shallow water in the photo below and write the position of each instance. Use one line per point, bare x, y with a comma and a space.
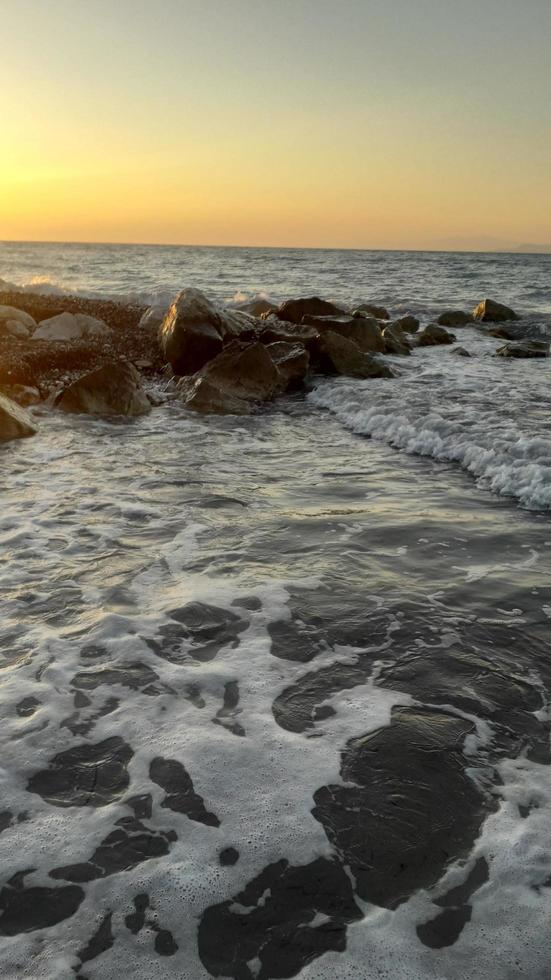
275, 688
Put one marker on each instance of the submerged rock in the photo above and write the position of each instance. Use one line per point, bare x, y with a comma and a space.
369, 310
201, 395
455, 318
342, 356
15, 422
85, 775
26, 909
490, 311
292, 362
181, 797
433, 335
113, 389
293, 310
460, 352
524, 348
70, 326
364, 331
395, 340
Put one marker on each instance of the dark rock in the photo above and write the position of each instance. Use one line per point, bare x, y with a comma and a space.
181, 797
100, 942
501, 333
165, 944
293, 310
244, 371
300, 706
6, 819
134, 675
228, 856
135, 921
191, 333
141, 805
257, 307
395, 340
342, 356
86, 775
433, 335
368, 309
455, 318
292, 362
446, 928
199, 632
130, 844
227, 714
15, 422
407, 323
393, 819
113, 389
201, 395
524, 348
26, 909
460, 352
364, 331
290, 333
272, 921
490, 311
27, 707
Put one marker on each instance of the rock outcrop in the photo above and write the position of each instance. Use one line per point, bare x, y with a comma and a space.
15, 422
488, 311
293, 310
395, 340
455, 318
244, 370
70, 326
342, 356
364, 331
433, 335
113, 389
368, 309
524, 348
292, 362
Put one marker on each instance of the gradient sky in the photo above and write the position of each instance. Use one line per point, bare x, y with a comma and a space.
346, 123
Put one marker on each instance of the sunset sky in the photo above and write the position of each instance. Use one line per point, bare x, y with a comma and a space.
346, 123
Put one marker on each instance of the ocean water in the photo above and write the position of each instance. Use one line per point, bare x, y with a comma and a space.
275, 690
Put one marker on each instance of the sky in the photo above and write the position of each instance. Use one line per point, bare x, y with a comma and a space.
316, 123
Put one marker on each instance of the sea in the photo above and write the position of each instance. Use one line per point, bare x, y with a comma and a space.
275, 689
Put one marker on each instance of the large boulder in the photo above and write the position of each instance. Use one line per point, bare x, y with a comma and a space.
395, 340
488, 311
70, 326
15, 422
342, 356
201, 395
455, 318
293, 310
524, 348
113, 389
244, 370
433, 335
292, 362
10, 314
195, 329
275, 331
368, 309
364, 331
256, 307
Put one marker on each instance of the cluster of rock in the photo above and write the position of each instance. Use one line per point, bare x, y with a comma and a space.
226, 361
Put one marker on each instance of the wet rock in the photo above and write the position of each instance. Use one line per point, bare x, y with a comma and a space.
6, 819
455, 318
26, 909
290, 333
152, 318
393, 819
113, 389
257, 307
292, 362
244, 371
203, 396
460, 352
133, 675
446, 927
299, 707
395, 340
181, 797
142, 805
294, 641
195, 329
85, 775
433, 335
368, 309
70, 326
135, 921
100, 942
27, 707
15, 422
24, 395
342, 356
524, 348
407, 323
199, 632
490, 311
284, 919
293, 310
165, 944
364, 331
130, 844
227, 714
228, 856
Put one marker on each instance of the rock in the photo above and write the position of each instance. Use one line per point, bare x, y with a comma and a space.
364, 331
461, 352
15, 422
292, 362
10, 314
289, 333
181, 797
113, 389
433, 335
257, 307
367, 309
343, 356
293, 310
70, 326
152, 318
195, 329
524, 348
490, 311
244, 371
22, 394
395, 340
203, 396
14, 328
501, 333
408, 323
85, 775
455, 318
